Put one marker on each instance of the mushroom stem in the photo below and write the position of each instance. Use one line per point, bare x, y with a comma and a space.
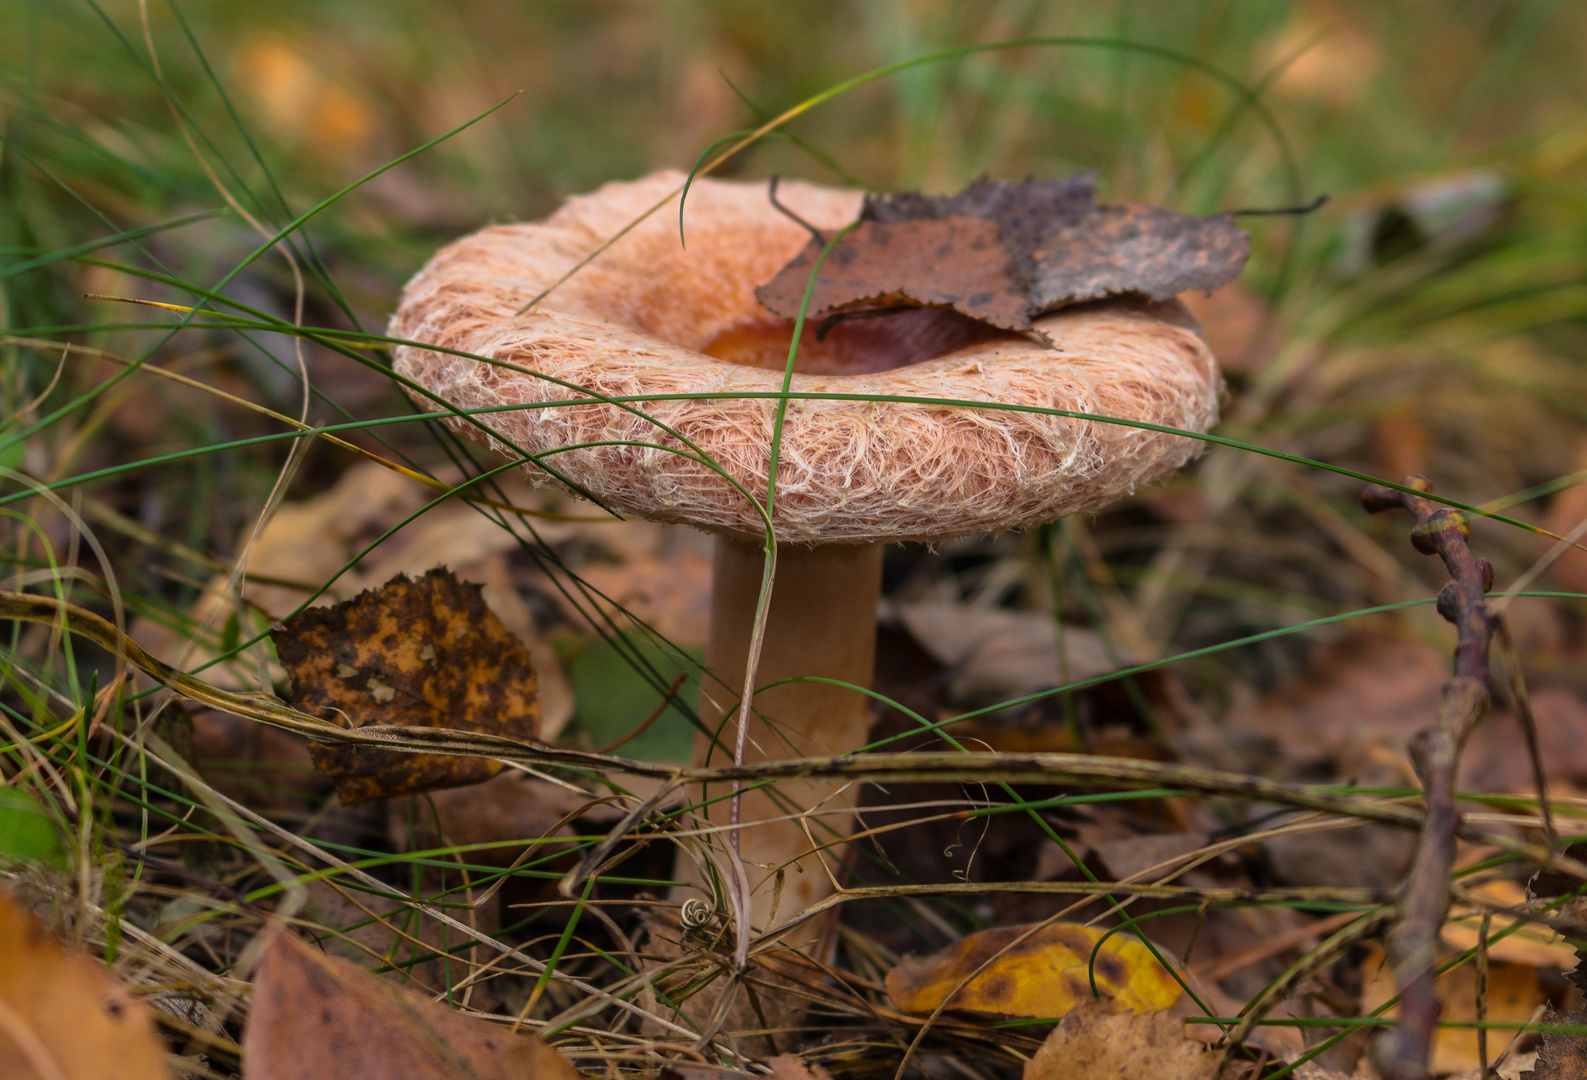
821, 622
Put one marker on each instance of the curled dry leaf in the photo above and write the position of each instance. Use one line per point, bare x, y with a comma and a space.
425, 653
1044, 975
62, 1017
319, 1018
1095, 1043
1005, 253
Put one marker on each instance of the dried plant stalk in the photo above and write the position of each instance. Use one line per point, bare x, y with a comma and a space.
1402, 1053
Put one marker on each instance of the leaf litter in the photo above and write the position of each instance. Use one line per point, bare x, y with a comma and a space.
1096, 1043
1005, 253
316, 1017
425, 653
1046, 974
62, 1016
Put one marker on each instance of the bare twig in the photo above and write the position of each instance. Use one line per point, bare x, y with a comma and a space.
1401, 1053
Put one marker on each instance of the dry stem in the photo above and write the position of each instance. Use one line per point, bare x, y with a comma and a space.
1402, 1053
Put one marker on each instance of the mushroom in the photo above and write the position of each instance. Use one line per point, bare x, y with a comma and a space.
650, 317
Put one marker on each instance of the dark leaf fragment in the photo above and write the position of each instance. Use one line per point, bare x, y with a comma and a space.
425, 653
1136, 249
1562, 1056
1024, 212
955, 262
1006, 253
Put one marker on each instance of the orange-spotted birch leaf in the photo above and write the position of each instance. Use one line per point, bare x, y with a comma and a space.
316, 1017
425, 653
62, 1017
1044, 975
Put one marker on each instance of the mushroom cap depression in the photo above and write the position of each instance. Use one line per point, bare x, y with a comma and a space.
649, 316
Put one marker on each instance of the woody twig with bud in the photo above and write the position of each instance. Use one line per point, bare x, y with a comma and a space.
1402, 1052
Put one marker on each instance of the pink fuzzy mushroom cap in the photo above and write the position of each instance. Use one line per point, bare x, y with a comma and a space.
649, 316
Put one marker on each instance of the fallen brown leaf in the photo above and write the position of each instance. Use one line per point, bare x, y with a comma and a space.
792, 1067
1529, 943
669, 591
1004, 253
1044, 975
309, 542
319, 1018
1095, 1043
62, 1017
995, 653
424, 653
1562, 1056
1136, 249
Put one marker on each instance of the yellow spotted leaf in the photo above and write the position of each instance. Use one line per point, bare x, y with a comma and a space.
425, 653
1046, 974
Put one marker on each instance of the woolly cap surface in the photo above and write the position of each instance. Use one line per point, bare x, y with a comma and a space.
651, 317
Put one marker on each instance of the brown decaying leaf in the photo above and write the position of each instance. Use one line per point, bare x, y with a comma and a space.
1005, 253
994, 654
309, 542
956, 262
62, 1017
1094, 1043
1520, 941
1132, 248
425, 653
1044, 975
1562, 1056
315, 1017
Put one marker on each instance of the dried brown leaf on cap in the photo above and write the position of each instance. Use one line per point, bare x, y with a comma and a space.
316, 1017
1005, 253
62, 1016
1047, 974
426, 653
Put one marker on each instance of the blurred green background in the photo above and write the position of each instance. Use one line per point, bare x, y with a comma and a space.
1368, 96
